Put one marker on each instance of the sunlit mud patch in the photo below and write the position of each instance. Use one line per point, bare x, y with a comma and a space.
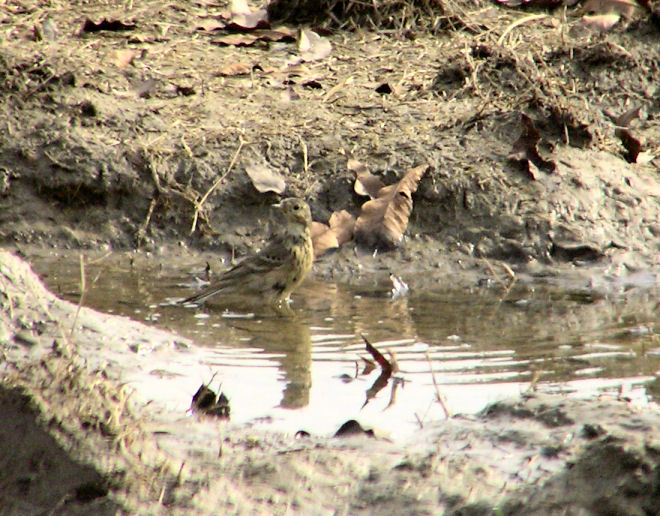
455, 351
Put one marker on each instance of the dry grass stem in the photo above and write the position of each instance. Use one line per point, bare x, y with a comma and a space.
200, 204
439, 397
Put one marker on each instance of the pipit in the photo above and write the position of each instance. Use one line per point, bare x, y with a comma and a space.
275, 271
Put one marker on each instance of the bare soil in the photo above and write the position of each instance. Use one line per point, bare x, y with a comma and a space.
99, 153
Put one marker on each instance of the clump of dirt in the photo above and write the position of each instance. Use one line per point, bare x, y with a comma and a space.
139, 132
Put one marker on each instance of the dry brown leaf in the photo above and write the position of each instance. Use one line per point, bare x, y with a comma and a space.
365, 182
601, 22
627, 8
322, 238
265, 179
235, 69
247, 39
383, 220
525, 149
243, 17
124, 57
336, 233
632, 144
105, 24
342, 224
210, 24
313, 47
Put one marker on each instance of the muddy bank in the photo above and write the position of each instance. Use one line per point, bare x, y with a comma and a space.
97, 151
99, 444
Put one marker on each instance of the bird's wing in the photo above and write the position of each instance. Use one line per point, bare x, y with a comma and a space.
272, 257
260, 271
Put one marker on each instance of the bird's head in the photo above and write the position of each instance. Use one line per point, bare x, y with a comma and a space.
295, 210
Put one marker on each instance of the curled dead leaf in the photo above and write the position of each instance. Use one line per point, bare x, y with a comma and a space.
383, 220
365, 182
336, 233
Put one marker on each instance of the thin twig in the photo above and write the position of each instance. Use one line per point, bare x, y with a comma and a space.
526, 19
437, 389
83, 288
145, 225
304, 153
200, 204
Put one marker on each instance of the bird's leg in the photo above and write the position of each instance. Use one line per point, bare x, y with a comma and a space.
282, 307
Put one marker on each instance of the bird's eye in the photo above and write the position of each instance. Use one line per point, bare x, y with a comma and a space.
296, 207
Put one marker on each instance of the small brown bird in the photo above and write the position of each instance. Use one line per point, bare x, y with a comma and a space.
277, 270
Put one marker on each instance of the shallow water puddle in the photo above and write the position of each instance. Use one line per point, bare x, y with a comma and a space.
307, 371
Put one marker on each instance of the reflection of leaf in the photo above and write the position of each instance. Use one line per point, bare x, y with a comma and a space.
264, 178
380, 359
365, 182
525, 150
313, 47
383, 220
336, 233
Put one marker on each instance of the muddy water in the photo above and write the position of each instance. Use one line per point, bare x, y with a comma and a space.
307, 370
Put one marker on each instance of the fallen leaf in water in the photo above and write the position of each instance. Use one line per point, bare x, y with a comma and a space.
205, 401
525, 149
336, 233
352, 427
383, 220
265, 179
380, 359
313, 47
365, 182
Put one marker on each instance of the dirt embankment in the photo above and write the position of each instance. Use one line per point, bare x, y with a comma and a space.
101, 149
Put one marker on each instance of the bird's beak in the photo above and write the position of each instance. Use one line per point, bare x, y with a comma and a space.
277, 205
